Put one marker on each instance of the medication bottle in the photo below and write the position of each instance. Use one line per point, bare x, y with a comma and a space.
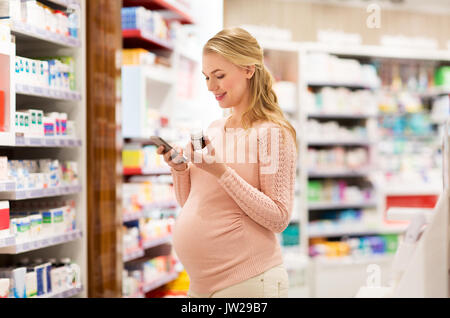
197, 139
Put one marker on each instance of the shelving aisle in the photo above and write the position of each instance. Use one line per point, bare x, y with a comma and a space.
151, 74
346, 236
55, 188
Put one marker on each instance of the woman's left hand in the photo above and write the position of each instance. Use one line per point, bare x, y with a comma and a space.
206, 162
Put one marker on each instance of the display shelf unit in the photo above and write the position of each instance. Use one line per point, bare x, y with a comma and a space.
64, 294
356, 231
26, 194
340, 206
29, 33
140, 252
337, 85
146, 172
338, 116
147, 89
346, 143
156, 242
47, 93
61, 3
137, 38
131, 256
7, 57
342, 174
326, 274
129, 217
160, 281
59, 142
32, 42
170, 11
12, 246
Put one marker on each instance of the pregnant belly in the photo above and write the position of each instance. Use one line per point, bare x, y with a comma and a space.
212, 240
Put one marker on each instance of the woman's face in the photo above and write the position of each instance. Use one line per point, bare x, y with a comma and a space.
227, 81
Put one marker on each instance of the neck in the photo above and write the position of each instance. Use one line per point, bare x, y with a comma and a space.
238, 111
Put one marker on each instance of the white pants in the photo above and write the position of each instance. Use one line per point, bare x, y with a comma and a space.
273, 283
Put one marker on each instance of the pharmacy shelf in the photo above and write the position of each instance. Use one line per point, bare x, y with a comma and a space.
352, 260
7, 186
50, 93
343, 174
63, 294
15, 195
7, 241
156, 242
339, 206
338, 232
338, 84
133, 255
160, 205
145, 172
136, 38
339, 116
128, 217
61, 3
377, 51
59, 142
170, 11
30, 33
349, 143
17, 247
417, 189
160, 281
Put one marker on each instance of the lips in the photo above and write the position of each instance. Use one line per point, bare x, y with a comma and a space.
220, 97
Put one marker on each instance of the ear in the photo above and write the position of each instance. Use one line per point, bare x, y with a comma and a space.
249, 71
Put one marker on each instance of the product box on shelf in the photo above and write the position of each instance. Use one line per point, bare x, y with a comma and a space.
39, 278
2, 110
3, 168
4, 219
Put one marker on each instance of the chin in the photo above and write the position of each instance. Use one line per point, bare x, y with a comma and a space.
225, 106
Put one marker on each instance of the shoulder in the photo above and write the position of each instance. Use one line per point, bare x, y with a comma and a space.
268, 128
217, 123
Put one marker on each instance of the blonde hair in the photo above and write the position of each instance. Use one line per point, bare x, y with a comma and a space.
240, 48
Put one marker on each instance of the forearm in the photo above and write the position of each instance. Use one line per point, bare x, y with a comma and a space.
181, 185
272, 213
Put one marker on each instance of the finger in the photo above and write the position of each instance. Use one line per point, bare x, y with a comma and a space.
168, 155
189, 151
209, 146
159, 150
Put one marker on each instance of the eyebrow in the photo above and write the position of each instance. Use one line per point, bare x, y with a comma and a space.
213, 71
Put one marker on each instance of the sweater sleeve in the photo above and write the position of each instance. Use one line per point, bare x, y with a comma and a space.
272, 206
181, 184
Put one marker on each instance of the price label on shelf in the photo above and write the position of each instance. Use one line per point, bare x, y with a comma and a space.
35, 141
50, 142
39, 90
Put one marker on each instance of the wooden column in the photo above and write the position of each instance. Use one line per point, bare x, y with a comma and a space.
104, 45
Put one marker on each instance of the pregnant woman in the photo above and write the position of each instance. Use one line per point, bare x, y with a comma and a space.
237, 194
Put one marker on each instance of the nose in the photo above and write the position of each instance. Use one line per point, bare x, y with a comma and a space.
212, 85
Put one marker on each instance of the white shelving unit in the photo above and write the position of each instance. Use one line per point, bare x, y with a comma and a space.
341, 277
34, 43
327, 283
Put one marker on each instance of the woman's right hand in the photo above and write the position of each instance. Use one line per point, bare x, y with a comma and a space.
177, 166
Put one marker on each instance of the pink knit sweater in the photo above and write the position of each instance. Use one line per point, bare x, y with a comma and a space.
225, 232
